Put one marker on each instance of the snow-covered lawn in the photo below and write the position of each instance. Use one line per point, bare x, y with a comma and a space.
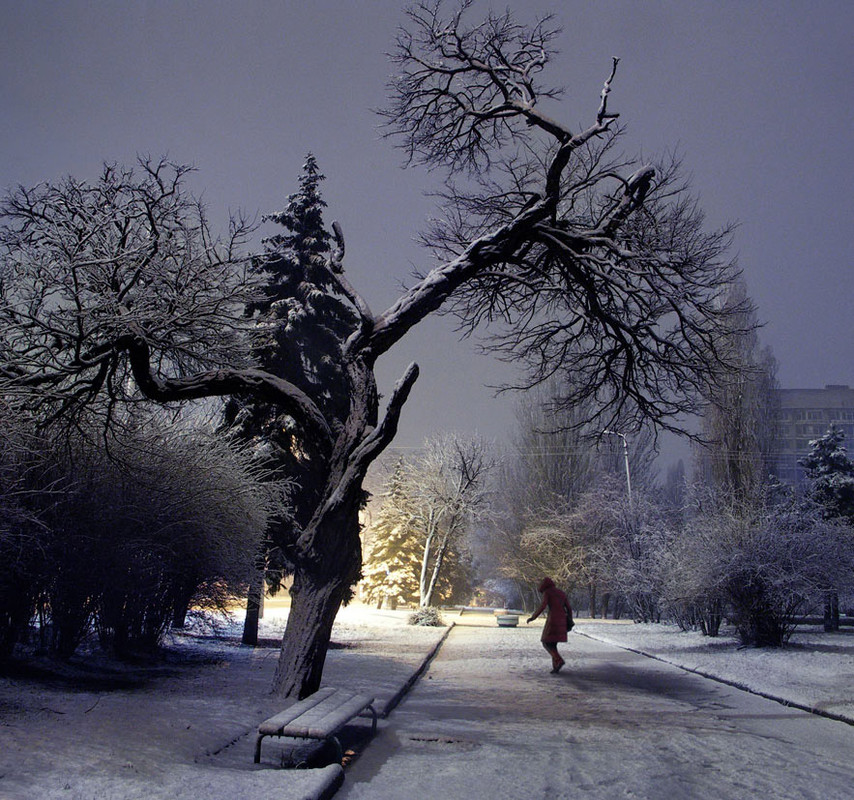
816, 670
183, 728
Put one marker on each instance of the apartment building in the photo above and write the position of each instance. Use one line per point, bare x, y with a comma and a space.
806, 414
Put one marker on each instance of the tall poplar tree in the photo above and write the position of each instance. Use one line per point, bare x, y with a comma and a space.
740, 420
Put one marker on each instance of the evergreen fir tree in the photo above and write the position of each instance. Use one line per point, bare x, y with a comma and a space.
830, 472
300, 320
393, 559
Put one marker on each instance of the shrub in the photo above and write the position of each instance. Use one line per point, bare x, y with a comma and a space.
428, 616
764, 565
121, 529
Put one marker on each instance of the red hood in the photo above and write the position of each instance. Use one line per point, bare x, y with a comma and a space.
547, 583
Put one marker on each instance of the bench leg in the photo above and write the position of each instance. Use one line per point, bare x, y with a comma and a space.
258, 748
339, 751
373, 717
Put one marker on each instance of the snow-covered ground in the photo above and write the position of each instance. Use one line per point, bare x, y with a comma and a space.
183, 727
816, 670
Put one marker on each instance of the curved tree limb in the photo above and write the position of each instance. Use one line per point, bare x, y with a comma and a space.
224, 382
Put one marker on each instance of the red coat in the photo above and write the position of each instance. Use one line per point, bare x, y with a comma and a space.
559, 611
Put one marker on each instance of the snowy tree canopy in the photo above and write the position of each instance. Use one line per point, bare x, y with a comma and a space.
830, 471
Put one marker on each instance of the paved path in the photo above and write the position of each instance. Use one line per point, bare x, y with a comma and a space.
489, 721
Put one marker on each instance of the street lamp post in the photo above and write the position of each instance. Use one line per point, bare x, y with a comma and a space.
626, 458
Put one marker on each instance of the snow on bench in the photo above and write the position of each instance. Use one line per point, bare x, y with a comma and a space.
319, 716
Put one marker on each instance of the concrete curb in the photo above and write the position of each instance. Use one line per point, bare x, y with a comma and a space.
330, 782
404, 690
726, 681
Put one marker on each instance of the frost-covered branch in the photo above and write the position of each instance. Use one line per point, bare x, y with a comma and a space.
87, 265
579, 261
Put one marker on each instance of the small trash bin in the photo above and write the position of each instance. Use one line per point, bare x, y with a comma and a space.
507, 620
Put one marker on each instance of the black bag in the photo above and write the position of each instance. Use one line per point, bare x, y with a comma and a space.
570, 623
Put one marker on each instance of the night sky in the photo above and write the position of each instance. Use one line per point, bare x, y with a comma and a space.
756, 96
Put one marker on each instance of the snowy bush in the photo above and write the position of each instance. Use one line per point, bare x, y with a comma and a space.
692, 589
763, 567
193, 513
121, 531
428, 616
23, 534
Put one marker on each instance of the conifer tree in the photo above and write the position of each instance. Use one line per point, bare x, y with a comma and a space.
830, 472
393, 560
300, 321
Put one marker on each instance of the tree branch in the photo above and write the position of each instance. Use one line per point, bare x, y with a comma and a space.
358, 461
336, 267
221, 383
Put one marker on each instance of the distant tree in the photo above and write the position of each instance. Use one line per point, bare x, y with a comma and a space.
673, 490
558, 458
623, 540
446, 490
830, 473
589, 263
393, 556
551, 462
740, 422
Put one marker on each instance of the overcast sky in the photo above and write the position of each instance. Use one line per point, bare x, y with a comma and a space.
755, 95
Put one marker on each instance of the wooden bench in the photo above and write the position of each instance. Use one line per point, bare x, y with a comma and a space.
319, 716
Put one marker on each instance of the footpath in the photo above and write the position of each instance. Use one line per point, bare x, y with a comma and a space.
489, 722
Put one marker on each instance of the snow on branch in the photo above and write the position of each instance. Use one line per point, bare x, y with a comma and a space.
336, 267
464, 90
224, 382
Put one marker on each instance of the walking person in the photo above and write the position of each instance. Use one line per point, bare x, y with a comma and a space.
558, 620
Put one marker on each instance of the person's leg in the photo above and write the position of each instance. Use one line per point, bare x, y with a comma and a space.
557, 661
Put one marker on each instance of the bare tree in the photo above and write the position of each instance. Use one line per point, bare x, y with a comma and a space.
740, 420
625, 539
447, 489
586, 263
559, 460
551, 463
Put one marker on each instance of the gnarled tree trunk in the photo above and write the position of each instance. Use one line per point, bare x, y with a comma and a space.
315, 600
320, 586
